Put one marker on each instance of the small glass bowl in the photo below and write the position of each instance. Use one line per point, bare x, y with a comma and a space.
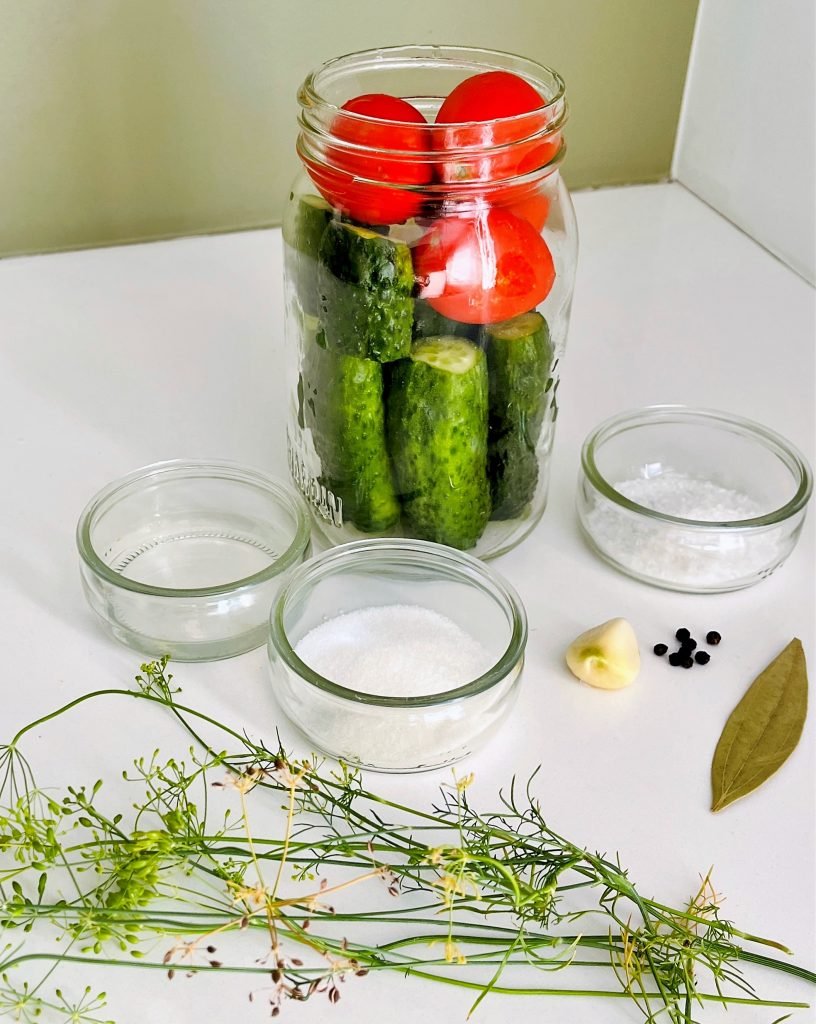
691, 499
186, 557
397, 733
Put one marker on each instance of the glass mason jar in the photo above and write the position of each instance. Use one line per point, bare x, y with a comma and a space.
429, 268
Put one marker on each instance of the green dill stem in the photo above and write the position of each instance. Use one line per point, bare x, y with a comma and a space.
402, 968
172, 921
777, 965
694, 918
506, 872
137, 695
604, 866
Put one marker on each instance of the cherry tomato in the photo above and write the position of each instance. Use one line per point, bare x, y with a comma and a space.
494, 108
483, 268
387, 127
487, 97
534, 208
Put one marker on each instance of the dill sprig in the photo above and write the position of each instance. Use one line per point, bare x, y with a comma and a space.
490, 902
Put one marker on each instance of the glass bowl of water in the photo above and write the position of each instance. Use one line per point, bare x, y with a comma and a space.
396, 654
185, 558
691, 499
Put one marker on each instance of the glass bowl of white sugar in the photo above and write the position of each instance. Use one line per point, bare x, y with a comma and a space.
398, 655
691, 499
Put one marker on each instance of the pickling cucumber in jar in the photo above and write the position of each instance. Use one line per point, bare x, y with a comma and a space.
306, 220
437, 437
365, 281
519, 357
428, 323
343, 408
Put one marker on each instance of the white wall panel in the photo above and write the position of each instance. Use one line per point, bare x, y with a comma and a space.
747, 137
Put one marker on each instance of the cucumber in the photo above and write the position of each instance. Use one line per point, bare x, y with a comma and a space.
306, 220
429, 324
365, 282
437, 435
519, 353
343, 408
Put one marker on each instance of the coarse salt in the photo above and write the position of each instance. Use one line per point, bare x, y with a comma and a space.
676, 494
397, 650
677, 554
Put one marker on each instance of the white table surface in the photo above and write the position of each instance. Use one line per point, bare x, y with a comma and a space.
111, 359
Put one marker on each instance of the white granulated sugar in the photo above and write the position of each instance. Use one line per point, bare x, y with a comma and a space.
395, 650
676, 554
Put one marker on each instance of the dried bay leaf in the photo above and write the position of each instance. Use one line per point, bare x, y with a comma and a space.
763, 728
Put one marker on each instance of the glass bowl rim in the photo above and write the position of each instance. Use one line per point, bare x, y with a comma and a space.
356, 553
650, 415
283, 496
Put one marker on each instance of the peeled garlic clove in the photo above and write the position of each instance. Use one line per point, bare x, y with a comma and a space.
606, 656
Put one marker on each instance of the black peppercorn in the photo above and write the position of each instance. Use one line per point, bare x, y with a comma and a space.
687, 662
682, 633
660, 649
674, 658
713, 637
702, 657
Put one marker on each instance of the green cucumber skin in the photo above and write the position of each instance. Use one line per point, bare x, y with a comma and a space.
365, 283
343, 407
513, 471
437, 432
518, 371
305, 224
428, 324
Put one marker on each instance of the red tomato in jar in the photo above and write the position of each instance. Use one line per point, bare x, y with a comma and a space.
493, 109
392, 136
483, 268
488, 96
534, 208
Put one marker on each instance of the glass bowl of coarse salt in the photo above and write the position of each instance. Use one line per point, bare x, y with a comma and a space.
691, 499
398, 655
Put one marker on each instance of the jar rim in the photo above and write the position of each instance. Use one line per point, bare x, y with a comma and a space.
357, 552
464, 140
413, 55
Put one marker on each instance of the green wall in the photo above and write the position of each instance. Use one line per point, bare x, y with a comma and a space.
131, 119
